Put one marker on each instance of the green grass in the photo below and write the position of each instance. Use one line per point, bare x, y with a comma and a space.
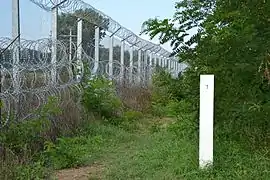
155, 152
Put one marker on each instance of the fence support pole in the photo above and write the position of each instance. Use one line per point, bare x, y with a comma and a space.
16, 35
154, 60
96, 64
111, 58
16, 51
150, 67
54, 44
175, 68
145, 67
139, 66
160, 61
131, 65
70, 45
122, 61
79, 49
172, 65
164, 62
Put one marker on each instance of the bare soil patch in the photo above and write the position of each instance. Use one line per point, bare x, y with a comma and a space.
94, 171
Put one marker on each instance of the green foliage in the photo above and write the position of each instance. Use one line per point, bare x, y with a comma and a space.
127, 121
65, 153
31, 171
89, 144
23, 141
231, 42
167, 94
99, 97
189, 14
165, 87
132, 116
130, 120
172, 153
26, 133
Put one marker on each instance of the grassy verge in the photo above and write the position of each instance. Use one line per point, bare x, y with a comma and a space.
156, 150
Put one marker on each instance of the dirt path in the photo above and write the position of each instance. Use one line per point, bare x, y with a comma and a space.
82, 173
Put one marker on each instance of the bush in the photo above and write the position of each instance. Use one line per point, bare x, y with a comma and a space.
65, 152
167, 94
132, 116
17, 135
166, 88
21, 143
99, 97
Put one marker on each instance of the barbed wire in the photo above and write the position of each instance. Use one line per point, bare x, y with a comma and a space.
83, 10
34, 75
27, 83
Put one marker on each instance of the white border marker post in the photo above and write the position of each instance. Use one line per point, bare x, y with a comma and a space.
206, 120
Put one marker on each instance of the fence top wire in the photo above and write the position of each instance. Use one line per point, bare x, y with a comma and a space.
77, 7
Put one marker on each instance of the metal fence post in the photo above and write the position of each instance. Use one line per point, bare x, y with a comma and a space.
111, 58
131, 65
145, 67
16, 37
139, 66
79, 49
96, 64
160, 61
157, 60
122, 61
70, 45
164, 62
54, 43
154, 60
16, 52
174, 67
150, 67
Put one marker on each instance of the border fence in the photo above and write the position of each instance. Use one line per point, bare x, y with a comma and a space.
81, 37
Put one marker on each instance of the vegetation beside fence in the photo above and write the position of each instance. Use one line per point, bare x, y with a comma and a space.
232, 43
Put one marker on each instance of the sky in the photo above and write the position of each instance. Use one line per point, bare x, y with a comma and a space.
35, 22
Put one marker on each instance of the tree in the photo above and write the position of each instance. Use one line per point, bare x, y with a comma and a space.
232, 42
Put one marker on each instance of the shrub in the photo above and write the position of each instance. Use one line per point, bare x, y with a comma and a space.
21, 143
30, 132
65, 152
132, 115
99, 97
167, 94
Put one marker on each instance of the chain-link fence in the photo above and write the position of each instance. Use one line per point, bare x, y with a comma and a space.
79, 35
